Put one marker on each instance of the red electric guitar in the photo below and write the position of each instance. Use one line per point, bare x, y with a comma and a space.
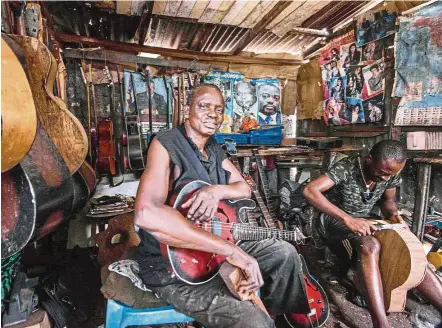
197, 267
317, 301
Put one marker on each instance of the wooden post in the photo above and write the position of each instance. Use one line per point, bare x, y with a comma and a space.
421, 199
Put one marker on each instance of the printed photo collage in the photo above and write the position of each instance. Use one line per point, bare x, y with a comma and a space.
353, 81
248, 104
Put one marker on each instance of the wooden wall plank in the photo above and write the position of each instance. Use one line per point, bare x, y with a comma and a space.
210, 11
298, 16
251, 4
222, 11
234, 10
186, 8
198, 9
258, 13
158, 7
287, 11
137, 7
123, 7
172, 7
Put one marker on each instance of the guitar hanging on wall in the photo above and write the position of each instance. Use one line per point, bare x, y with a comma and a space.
133, 132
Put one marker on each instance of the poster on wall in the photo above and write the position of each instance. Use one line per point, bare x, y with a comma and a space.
418, 80
245, 104
374, 25
268, 92
225, 81
374, 79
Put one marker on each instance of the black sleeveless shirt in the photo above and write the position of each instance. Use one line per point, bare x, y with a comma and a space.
193, 166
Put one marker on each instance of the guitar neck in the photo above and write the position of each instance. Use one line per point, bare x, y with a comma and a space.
270, 205
247, 232
268, 221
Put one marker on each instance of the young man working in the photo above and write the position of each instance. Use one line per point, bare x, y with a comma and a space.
356, 184
189, 153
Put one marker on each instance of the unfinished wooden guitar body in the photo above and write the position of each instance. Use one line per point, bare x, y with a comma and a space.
63, 128
402, 263
19, 116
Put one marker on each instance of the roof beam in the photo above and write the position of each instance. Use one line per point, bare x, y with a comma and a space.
252, 33
118, 57
145, 22
308, 31
184, 54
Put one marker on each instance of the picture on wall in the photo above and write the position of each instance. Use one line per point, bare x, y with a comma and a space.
337, 88
245, 104
354, 111
334, 112
269, 101
355, 82
373, 108
375, 25
374, 79
225, 81
372, 52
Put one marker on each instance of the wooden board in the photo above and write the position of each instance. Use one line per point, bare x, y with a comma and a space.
172, 7
210, 11
233, 12
298, 16
245, 11
19, 116
186, 8
222, 11
403, 265
63, 128
261, 9
158, 7
287, 11
198, 9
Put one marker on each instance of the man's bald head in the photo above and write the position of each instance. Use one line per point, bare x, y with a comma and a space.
202, 89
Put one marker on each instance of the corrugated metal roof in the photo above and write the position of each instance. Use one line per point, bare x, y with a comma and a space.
213, 26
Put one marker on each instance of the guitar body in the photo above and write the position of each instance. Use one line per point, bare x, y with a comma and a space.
19, 116
134, 148
402, 263
318, 303
106, 147
197, 267
62, 127
37, 196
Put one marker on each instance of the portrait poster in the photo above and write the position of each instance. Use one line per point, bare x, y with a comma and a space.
418, 80
374, 79
225, 81
372, 52
375, 24
245, 104
373, 108
354, 111
334, 112
269, 94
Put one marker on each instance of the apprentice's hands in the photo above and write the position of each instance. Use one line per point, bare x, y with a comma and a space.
361, 227
203, 204
250, 268
396, 218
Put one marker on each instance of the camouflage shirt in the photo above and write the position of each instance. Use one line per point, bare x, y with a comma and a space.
348, 192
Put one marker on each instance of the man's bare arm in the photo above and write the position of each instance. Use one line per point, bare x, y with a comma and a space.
313, 192
389, 207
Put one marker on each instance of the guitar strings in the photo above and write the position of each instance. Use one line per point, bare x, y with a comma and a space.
247, 228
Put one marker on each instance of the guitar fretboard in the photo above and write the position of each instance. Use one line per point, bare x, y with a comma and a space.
269, 219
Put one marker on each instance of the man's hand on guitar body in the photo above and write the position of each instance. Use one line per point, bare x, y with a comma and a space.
396, 218
203, 204
361, 227
250, 267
